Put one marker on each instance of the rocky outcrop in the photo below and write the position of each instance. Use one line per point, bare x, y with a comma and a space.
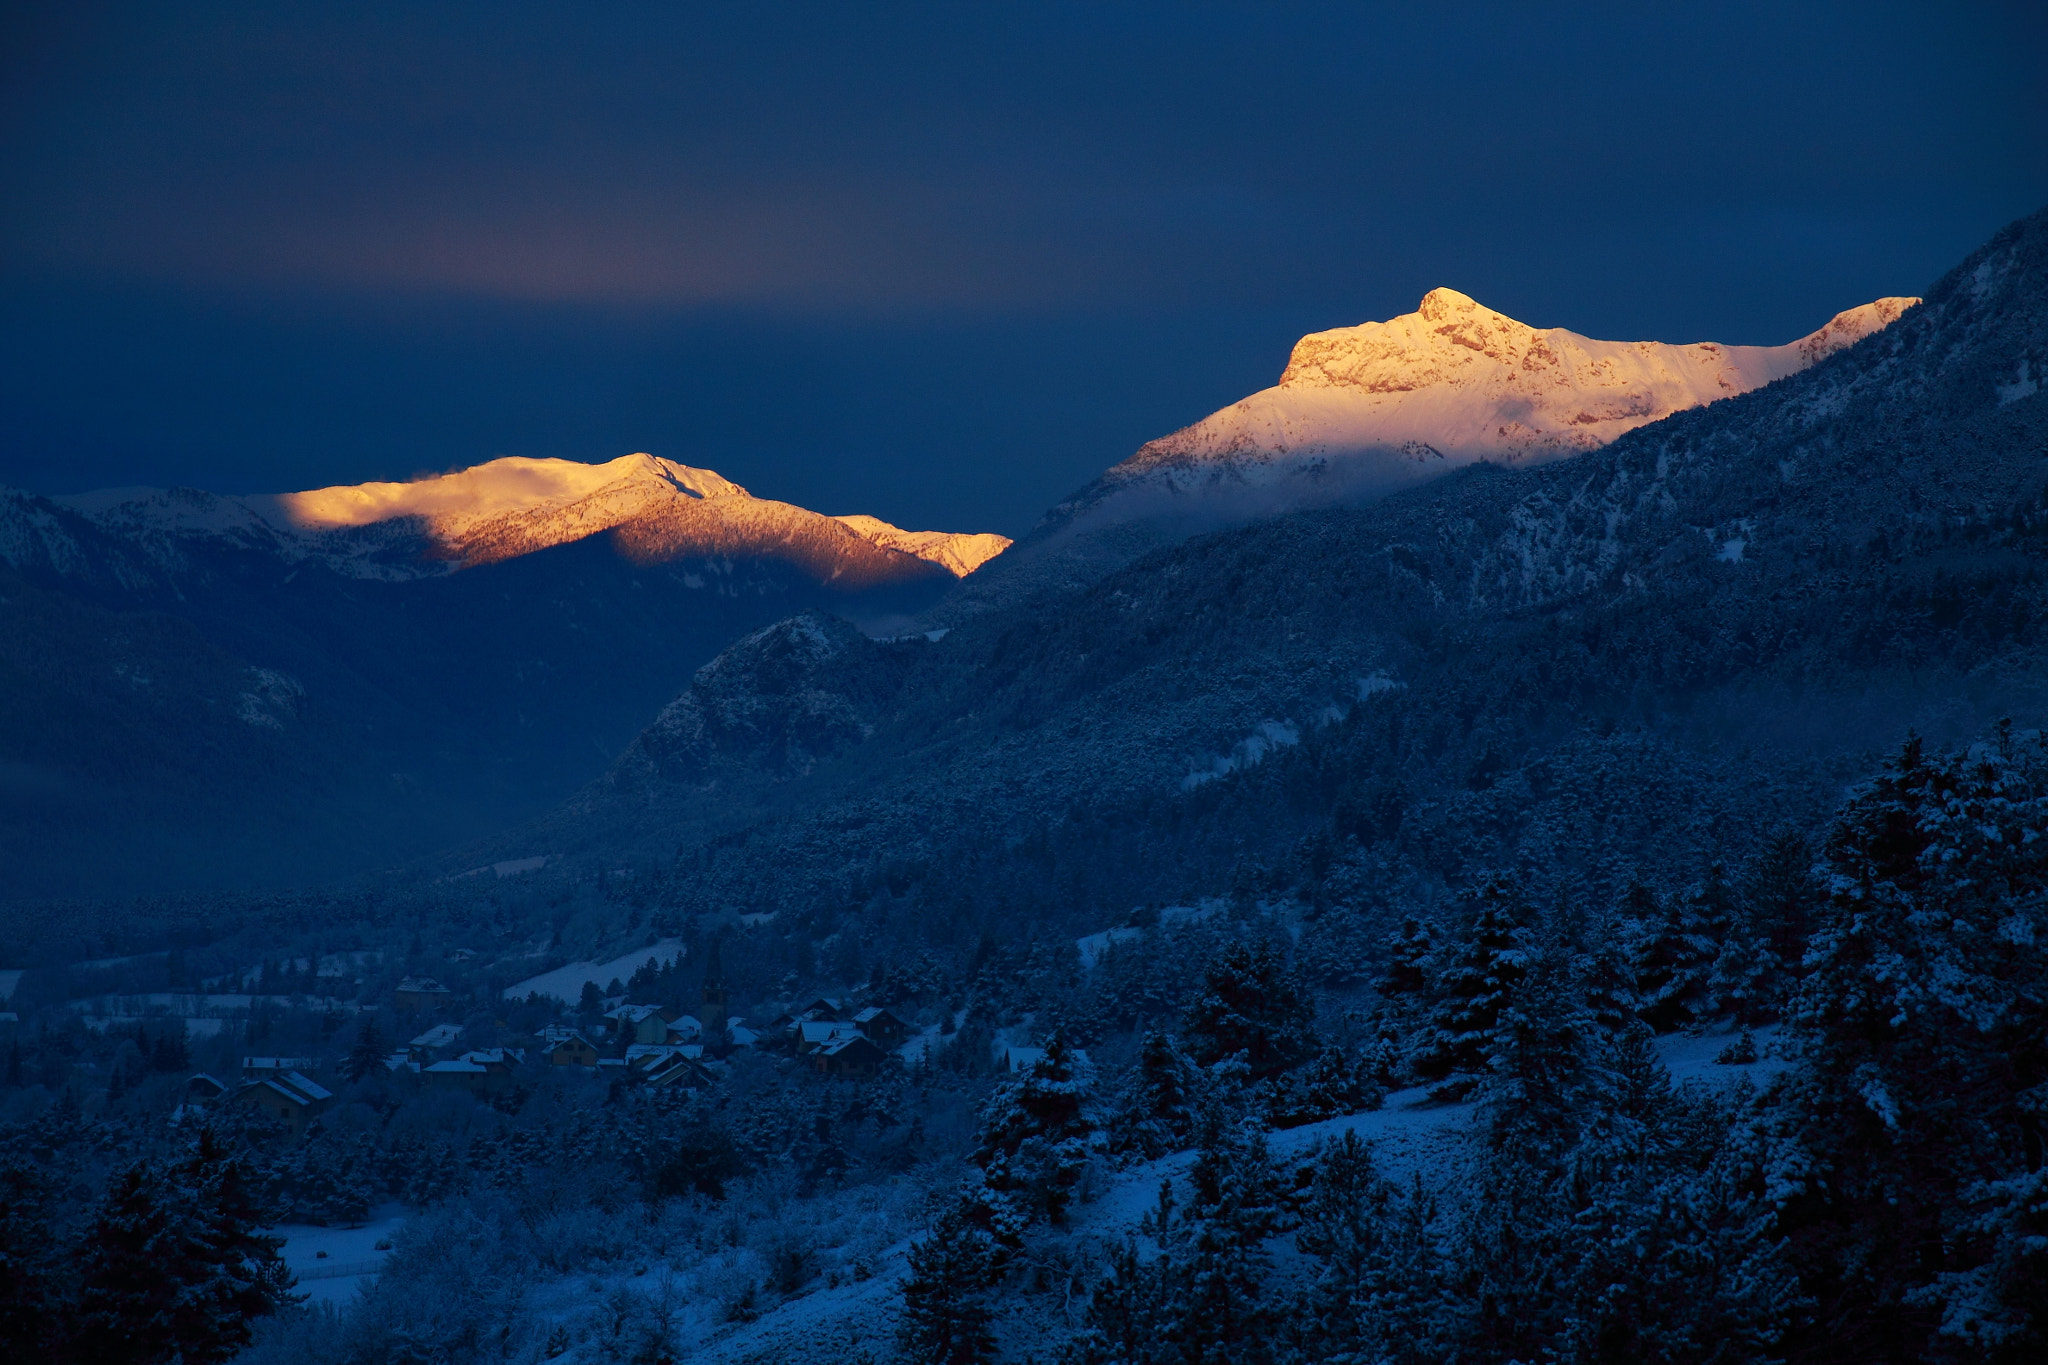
777, 703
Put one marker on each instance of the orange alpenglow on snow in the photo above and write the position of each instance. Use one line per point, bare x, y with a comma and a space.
655, 510
1365, 410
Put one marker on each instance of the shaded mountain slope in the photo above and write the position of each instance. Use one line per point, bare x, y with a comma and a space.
1641, 657
453, 655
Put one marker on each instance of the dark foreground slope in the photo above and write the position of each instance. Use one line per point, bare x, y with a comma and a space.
1636, 659
225, 716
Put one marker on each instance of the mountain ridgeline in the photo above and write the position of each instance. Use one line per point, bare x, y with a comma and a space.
209, 690
1626, 663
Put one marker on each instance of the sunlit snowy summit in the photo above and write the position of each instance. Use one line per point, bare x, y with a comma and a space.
655, 511
1362, 411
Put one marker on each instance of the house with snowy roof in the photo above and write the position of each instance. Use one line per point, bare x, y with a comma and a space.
457, 1073
849, 1054
680, 1068
737, 1034
884, 1028
643, 1056
260, 1068
433, 1042
639, 1024
485, 1070
421, 994
569, 1048
812, 1034
290, 1096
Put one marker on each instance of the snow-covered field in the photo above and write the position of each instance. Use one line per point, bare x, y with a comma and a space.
566, 983
351, 1260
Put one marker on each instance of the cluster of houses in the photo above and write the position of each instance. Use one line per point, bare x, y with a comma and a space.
638, 1044
838, 1042
660, 1047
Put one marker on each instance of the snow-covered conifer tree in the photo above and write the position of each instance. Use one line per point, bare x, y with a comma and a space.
1375, 1294
1676, 951
1911, 1143
1157, 1113
367, 1057
1033, 1143
1477, 983
1251, 1007
946, 1314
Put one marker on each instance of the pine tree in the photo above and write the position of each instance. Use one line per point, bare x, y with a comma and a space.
169, 1052
1034, 1134
1744, 983
1334, 1083
1782, 899
33, 1288
1673, 1263
946, 1316
174, 1265
1477, 984
367, 1057
1608, 981
1912, 1121
239, 1275
1539, 1082
1235, 1204
1157, 1114
1251, 1008
1675, 954
1375, 1294
1130, 1314
1405, 982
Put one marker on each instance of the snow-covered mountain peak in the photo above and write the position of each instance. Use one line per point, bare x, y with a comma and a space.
1380, 404
655, 509
1442, 301
511, 486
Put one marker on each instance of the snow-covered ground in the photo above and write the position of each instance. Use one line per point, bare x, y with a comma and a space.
854, 1320
1408, 1134
351, 1260
566, 983
1690, 1057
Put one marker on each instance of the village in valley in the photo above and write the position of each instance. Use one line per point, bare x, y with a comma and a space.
423, 1036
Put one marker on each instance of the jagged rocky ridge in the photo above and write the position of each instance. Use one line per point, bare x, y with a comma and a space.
1625, 659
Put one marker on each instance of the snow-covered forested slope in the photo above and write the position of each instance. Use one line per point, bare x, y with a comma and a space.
1625, 658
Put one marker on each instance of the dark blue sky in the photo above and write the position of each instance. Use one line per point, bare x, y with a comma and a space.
940, 264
